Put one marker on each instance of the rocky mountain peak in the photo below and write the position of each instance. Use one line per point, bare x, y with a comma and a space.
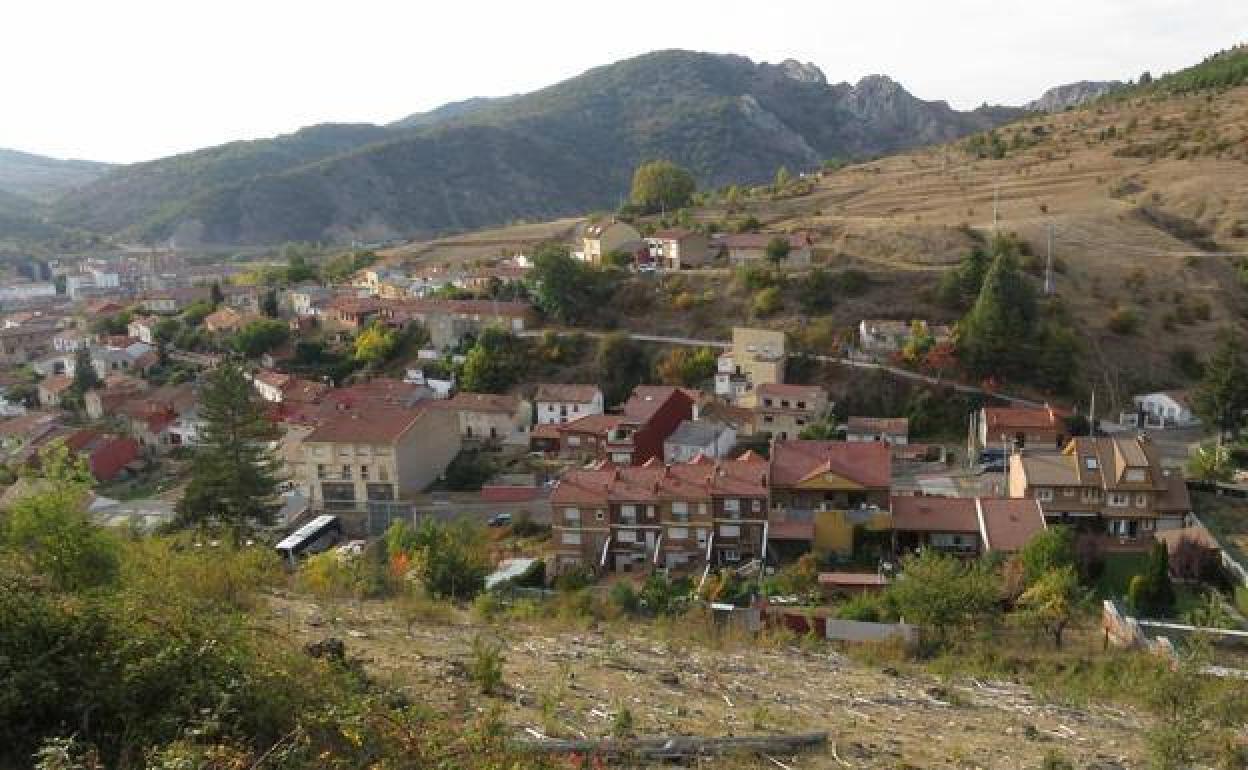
1059, 98
803, 72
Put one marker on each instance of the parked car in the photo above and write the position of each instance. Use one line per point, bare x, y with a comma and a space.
500, 520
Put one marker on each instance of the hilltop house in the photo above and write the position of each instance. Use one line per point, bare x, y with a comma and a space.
1164, 409
450, 321
1021, 427
679, 248
633, 437
814, 479
745, 248
600, 240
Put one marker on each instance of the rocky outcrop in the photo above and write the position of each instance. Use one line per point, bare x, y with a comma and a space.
1060, 98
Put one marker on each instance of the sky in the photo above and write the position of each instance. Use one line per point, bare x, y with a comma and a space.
130, 80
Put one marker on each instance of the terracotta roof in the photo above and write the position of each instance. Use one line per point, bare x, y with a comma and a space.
934, 514
865, 463
1009, 523
482, 402
273, 379
593, 423
701, 479
648, 399
1004, 419
368, 424
891, 425
545, 430
571, 394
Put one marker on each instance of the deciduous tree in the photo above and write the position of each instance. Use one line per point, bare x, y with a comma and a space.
662, 185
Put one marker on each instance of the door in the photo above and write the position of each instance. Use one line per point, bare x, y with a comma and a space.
650, 541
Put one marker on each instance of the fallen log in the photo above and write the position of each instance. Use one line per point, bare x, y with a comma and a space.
677, 746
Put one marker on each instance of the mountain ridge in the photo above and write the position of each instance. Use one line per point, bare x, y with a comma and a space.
724, 116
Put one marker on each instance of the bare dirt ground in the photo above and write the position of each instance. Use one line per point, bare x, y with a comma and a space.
569, 682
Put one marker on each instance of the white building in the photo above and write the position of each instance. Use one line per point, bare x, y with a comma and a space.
1164, 409
699, 437
142, 329
26, 291
564, 403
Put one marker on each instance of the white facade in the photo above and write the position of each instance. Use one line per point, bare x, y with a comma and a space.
557, 412
1164, 410
142, 331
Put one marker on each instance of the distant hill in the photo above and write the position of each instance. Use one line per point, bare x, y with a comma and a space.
564, 149
44, 179
1070, 95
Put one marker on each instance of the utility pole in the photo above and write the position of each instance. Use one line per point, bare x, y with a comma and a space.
1048, 268
996, 198
1092, 415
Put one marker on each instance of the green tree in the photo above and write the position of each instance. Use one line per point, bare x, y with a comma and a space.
375, 344
767, 302
939, 592
234, 474
815, 293
261, 336
662, 185
1152, 592
85, 376
268, 303
1053, 602
497, 361
1048, 551
568, 290
996, 335
622, 365
1211, 462
1222, 394
686, 366
777, 249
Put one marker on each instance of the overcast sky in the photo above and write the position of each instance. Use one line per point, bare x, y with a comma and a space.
127, 80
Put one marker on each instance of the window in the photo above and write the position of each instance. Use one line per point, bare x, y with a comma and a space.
680, 510
650, 512
732, 555
756, 506
346, 471
784, 404
627, 536
1119, 499
702, 535
571, 538
801, 404
599, 515
1136, 475
1146, 524
572, 515
1141, 501
628, 512
1068, 492
383, 473
1090, 462
364, 472
1044, 494
678, 533
1091, 495
768, 419
801, 421
574, 440
766, 402
729, 530
732, 505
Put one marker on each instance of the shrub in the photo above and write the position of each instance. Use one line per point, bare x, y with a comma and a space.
767, 302
485, 667
1123, 321
625, 598
853, 282
863, 607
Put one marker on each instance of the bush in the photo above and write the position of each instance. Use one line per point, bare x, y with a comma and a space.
624, 597
1123, 321
767, 302
485, 667
853, 282
862, 607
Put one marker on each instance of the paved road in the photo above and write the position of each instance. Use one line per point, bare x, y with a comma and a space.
839, 360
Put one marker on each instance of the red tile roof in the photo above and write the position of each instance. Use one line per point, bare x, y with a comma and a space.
482, 402
890, 425
1003, 419
1010, 522
367, 424
866, 463
597, 424
935, 514
648, 399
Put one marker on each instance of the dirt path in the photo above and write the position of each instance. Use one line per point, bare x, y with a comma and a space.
573, 683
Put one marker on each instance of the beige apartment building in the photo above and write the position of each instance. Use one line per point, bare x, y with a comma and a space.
757, 358
377, 454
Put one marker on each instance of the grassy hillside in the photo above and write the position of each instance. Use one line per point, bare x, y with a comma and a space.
44, 179
565, 149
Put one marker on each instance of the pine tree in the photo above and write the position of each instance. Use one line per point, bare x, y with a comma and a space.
1222, 395
217, 295
996, 335
268, 303
234, 474
85, 376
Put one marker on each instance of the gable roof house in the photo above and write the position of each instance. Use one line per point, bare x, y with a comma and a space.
699, 437
812, 477
228, 319
890, 430
150, 417
52, 390
1109, 486
491, 420
105, 454
600, 240
1021, 427
636, 435
678, 248
560, 403
743, 248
